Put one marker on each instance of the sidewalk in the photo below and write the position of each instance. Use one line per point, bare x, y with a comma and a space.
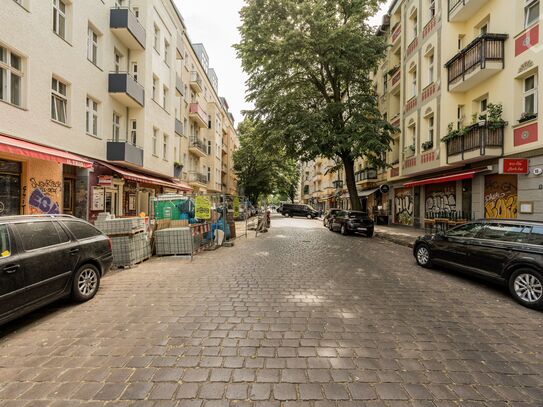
401, 235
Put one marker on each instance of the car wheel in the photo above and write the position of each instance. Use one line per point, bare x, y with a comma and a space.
309, 217
86, 283
344, 230
369, 234
526, 287
422, 254
290, 215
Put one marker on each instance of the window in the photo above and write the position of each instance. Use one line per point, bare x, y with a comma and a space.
459, 116
385, 84
164, 97
484, 29
166, 52
415, 26
155, 88
537, 235
81, 230
209, 147
505, 233
431, 69
11, 77
414, 135
468, 230
59, 101
117, 61
483, 105
531, 12
5, 244
37, 235
414, 83
165, 146
136, 12
116, 133
155, 141
134, 132
134, 66
59, 18
157, 39
92, 117
92, 47
185, 126
432, 8
530, 94
431, 128
208, 174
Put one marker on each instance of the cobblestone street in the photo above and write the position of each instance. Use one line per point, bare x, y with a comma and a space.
296, 317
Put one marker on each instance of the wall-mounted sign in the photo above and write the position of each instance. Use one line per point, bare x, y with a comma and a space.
514, 166
384, 188
526, 207
105, 180
98, 198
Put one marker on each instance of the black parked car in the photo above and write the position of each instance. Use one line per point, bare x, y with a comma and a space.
329, 215
44, 258
507, 250
352, 222
298, 210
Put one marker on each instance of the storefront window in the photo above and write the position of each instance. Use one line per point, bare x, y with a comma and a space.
10, 188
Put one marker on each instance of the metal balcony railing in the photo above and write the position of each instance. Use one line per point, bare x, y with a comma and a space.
476, 138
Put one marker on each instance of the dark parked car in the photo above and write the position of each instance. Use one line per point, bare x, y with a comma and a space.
328, 215
507, 250
44, 258
348, 222
298, 210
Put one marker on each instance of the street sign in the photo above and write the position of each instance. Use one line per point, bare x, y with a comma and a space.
513, 166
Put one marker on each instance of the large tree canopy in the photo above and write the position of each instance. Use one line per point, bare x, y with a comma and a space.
309, 64
263, 169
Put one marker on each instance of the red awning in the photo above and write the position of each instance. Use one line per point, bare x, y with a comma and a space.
447, 178
27, 149
147, 179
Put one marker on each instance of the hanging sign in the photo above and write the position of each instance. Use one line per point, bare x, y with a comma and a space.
203, 207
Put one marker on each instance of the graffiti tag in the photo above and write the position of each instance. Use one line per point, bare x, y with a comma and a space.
404, 208
48, 186
43, 203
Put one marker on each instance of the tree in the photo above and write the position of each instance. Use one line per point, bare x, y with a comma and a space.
263, 169
309, 64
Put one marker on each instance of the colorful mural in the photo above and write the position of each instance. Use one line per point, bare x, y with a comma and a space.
43, 196
403, 206
501, 197
440, 197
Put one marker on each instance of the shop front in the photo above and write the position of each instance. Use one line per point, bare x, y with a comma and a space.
501, 196
32, 179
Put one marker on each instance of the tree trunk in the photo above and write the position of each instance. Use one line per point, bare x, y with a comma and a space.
348, 165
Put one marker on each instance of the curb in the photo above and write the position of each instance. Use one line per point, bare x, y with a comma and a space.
394, 239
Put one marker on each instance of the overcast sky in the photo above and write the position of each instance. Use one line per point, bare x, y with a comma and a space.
215, 24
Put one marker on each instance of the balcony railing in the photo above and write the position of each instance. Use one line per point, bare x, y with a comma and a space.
365, 175
196, 143
126, 90
124, 152
482, 58
126, 26
396, 31
196, 82
198, 177
196, 112
461, 10
477, 140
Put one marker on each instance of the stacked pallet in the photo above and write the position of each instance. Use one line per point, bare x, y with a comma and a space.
130, 243
175, 241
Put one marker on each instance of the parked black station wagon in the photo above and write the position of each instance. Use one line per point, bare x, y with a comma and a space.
347, 222
44, 258
297, 210
507, 250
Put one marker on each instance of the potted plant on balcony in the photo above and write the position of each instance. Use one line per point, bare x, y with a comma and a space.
177, 169
453, 133
427, 145
494, 118
527, 116
409, 151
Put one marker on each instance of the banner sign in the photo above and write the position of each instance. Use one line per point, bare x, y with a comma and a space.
514, 166
203, 207
236, 207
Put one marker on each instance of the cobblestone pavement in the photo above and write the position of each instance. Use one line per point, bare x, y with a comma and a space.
296, 317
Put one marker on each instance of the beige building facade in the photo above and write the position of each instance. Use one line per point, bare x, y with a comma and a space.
120, 86
461, 83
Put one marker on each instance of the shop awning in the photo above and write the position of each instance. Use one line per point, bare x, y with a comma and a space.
367, 192
27, 149
147, 179
447, 178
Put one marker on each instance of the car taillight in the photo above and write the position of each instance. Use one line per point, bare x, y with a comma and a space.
109, 244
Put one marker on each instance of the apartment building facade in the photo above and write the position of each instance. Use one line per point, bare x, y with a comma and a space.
461, 83
104, 105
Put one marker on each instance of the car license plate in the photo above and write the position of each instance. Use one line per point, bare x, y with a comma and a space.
362, 229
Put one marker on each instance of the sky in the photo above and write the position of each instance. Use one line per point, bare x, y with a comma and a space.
215, 24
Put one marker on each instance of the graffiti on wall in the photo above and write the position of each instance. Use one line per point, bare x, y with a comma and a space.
501, 197
403, 206
441, 197
42, 196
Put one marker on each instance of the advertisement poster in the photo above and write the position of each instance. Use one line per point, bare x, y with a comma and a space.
236, 207
98, 197
203, 207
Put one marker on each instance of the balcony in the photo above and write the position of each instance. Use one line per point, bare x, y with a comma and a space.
196, 82
368, 174
395, 170
224, 148
179, 86
338, 184
197, 147
396, 31
124, 152
394, 87
224, 168
126, 90
124, 24
479, 143
179, 130
197, 179
480, 60
180, 47
462, 10
198, 114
